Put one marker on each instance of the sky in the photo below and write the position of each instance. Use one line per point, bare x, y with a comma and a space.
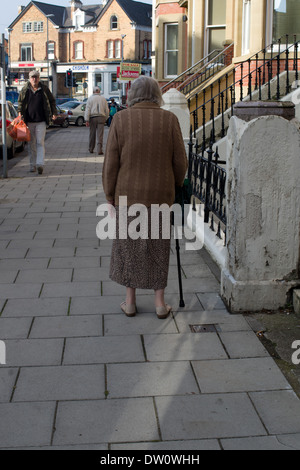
9, 10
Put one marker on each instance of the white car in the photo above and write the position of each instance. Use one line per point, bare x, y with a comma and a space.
76, 111
12, 145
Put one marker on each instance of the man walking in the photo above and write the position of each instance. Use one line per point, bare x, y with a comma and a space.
96, 114
37, 106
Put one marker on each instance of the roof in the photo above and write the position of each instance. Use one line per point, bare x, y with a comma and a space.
138, 12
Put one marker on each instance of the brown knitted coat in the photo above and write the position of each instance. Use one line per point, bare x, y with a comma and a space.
145, 156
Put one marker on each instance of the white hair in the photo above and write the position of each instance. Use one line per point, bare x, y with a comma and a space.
145, 89
96, 89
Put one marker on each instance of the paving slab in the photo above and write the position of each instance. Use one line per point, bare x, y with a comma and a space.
88, 422
7, 380
26, 424
66, 326
103, 350
239, 375
279, 410
150, 379
36, 384
36, 307
208, 416
33, 352
183, 347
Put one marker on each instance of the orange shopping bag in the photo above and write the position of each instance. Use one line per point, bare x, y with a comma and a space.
12, 129
23, 133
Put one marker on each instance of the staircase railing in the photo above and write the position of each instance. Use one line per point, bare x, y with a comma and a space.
207, 174
194, 71
247, 77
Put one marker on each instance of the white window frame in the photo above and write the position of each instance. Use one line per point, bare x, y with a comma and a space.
118, 48
78, 51
246, 27
27, 27
38, 26
167, 50
27, 46
110, 49
111, 23
51, 50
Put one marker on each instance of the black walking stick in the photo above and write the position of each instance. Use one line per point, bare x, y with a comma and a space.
179, 199
182, 197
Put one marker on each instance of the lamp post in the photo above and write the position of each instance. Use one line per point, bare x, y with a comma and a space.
48, 16
9, 57
122, 58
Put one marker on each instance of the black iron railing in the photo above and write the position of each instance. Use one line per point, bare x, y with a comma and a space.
207, 183
250, 76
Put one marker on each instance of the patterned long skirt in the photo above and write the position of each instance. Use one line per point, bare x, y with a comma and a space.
143, 262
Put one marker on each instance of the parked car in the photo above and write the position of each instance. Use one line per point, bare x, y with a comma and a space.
75, 112
60, 101
62, 118
12, 96
12, 145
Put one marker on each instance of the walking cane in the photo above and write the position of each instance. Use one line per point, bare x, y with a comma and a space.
180, 200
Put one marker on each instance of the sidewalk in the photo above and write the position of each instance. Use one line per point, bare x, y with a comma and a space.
79, 374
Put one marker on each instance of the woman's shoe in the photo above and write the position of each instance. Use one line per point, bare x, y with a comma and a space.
129, 310
163, 312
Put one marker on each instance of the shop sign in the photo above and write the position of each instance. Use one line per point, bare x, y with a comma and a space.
80, 68
129, 71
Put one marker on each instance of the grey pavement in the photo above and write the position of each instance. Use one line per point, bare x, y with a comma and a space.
79, 374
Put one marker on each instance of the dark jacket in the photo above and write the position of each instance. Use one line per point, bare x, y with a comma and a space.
48, 101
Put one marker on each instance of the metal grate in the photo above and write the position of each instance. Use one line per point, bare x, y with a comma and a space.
209, 328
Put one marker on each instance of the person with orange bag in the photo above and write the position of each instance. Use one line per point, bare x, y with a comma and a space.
37, 106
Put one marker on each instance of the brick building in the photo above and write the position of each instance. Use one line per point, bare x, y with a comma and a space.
91, 40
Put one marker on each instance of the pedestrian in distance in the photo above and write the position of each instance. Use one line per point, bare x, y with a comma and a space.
96, 114
145, 159
37, 106
112, 111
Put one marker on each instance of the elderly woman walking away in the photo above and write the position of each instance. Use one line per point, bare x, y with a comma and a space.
145, 159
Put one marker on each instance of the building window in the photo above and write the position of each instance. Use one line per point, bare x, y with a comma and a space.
246, 27
35, 26
38, 26
171, 50
118, 49
110, 49
27, 27
113, 82
78, 50
113, 22
51, 50
215, 24
147, 49
26, 52
286, 15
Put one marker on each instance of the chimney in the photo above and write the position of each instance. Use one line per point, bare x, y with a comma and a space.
20, 9
75, 4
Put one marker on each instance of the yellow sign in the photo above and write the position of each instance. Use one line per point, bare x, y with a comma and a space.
129, 71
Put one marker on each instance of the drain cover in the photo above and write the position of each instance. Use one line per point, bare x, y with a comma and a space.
203, 328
